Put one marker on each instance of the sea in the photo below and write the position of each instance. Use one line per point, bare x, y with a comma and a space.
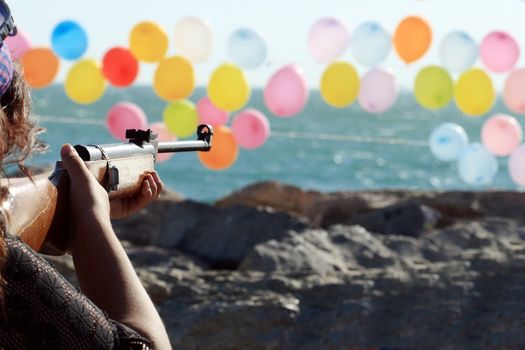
322, 148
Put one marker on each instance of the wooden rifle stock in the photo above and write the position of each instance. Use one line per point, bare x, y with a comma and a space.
37, 210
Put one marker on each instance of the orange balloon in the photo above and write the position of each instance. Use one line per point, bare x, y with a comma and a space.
40, 66
412, 38
224, 150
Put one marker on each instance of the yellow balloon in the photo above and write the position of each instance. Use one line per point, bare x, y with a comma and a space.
433, 87
228, 88
181, 118
148, 42
174, 79
340, 84
474, 92
85, 82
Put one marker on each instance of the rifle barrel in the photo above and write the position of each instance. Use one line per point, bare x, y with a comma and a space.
183, 146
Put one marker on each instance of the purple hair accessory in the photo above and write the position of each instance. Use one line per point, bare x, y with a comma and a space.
6, 69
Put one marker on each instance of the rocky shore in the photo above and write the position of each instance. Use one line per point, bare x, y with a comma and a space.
273, 266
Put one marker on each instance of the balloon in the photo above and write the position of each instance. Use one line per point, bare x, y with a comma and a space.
474, 92
85, 83
328, 39
370, 44
458, 51
516, 165
163, 135
224, 151
447, 141
40, 66
433, 87
180, 118
476, 165
286, 93
18, 44
123, 116
69, 40
412, 38
378, 91
209, 114
499, 52
247, 48
193, 39
514, 91
120, 67
340, 84
148, 42
228, 88
250, 129
501, 134
174, 79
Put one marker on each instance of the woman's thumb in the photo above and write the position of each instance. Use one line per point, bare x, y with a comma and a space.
71, 161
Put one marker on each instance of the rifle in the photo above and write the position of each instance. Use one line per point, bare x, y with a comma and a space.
43, 224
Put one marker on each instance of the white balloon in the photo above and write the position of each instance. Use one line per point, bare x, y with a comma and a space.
458, 51
247, 48
476, 165
370, 44
447, 141
193, 39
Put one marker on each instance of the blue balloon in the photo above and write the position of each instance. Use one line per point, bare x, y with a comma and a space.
370, 44
69, 40
247, 48
476, 165
458, 51
447, 141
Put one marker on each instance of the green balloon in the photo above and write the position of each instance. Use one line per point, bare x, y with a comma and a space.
433, 87
181, 118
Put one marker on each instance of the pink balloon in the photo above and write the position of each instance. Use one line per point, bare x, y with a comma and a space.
516, 165
328, 39
378, 91
163, 135
501, 134
209, 114
125, 115
499, 51
18, 44
514, 91
250, 129
286, 92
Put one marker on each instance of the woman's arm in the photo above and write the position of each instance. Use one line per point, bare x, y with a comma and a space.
104, 271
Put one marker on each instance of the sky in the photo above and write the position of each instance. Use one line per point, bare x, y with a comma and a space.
284, 24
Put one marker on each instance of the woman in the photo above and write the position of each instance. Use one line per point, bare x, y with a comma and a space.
39, 308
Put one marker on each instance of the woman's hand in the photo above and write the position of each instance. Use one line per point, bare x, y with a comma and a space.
88, 199
150, 190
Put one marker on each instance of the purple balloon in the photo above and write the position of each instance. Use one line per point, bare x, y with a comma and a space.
378, 91
328, 39
516, 165
499, 51
286, 93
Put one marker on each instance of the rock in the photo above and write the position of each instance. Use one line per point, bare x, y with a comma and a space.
300, 277
279, 196
406, 218
219, 237
338, 250
337, 209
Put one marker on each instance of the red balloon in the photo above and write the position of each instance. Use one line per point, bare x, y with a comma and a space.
120, 67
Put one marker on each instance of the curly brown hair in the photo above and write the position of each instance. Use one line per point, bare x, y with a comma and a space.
18, 137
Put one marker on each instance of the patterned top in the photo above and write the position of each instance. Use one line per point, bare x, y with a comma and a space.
42, 310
